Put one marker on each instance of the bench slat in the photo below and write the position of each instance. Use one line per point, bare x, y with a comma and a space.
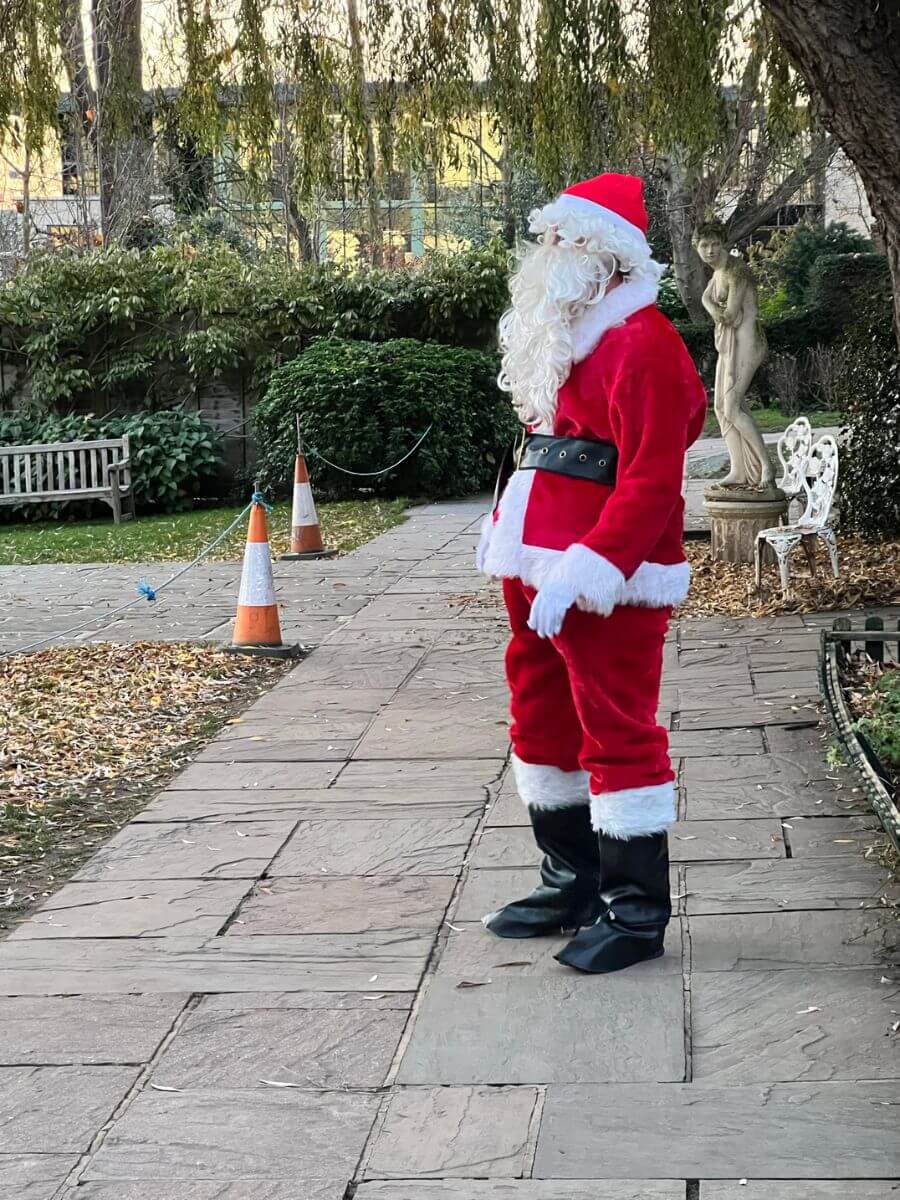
116, 443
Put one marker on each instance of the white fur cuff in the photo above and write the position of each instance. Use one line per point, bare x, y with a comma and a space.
634, 812
597, 583
541, 786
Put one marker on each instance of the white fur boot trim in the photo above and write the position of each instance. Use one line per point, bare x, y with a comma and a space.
541, 786
634, 812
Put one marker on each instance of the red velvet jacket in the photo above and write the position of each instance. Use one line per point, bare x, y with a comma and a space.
639, 389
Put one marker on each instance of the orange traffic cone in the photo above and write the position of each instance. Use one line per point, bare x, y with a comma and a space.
257, 629
306, 537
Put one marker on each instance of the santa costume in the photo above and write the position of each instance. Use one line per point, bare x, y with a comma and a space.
587, 538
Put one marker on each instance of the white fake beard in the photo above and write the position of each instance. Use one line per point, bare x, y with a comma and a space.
554, 284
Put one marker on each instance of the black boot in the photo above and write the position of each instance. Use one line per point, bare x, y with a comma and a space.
636, 907
569, 893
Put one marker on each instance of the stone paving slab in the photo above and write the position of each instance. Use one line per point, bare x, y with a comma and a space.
313, 1001
780, 886
313, 804
762, 941
233, 850
142, 909
33, 1176
640, 1038
267, 776
697, 743
243, 1047
431, 732
727, 799
684, 1130
428, 846
453, 1133
265, 748
336, 962
420, 773
229, 1134
765, 770
830, 836
49, 1110
91, 1030
246, 1189
526, 1189
798, 1189
344, 905
780, 1026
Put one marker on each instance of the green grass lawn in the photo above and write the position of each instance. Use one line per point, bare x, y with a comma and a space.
770, 420
180, 536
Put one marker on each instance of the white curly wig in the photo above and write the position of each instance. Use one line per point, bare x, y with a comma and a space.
579, 249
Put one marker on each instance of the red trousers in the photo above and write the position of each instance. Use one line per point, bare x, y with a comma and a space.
584, 703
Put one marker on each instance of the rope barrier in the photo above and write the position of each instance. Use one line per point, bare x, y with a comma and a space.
371, 474
146, 592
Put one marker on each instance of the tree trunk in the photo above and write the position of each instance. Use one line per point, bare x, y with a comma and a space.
370, 161
848, 52
681, 188
124, 151
74, 57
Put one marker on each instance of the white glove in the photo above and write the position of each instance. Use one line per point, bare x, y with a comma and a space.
549, 609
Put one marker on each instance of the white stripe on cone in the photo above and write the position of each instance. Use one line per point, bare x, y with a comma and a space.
257, 584
304, 510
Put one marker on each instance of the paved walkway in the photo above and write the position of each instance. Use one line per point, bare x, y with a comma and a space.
273, 984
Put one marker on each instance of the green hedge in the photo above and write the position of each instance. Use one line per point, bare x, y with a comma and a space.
363, 405
143, 329
175, 456
870, 385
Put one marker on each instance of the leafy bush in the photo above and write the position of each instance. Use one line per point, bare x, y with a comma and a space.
669, 301
808, 243
837, 282
869, 383
364, 405
175, 456
128, 327
881, 727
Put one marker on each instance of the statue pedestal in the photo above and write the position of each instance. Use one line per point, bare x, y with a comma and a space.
737, 514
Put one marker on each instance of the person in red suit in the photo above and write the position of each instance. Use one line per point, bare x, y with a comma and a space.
587, 539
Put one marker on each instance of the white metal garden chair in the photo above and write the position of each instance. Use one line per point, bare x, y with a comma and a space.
793, 450
819, 480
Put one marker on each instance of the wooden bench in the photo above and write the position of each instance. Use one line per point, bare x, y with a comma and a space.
62, 471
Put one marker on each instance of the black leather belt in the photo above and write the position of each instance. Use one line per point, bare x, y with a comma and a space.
578, 457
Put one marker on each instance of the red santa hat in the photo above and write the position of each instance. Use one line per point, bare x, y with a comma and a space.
603, 213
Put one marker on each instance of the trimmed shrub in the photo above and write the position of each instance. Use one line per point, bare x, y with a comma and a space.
869, 382
837, 283
363, 405
175, 456
806, 245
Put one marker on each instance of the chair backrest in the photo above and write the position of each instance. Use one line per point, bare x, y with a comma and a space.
793, 449
820, 481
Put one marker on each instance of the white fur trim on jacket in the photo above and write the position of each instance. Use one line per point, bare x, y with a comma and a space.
503, 553
615, 307
597, 583
634, 812
541, 786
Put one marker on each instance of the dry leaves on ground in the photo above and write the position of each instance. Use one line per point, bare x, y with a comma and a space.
869, 575
87, 732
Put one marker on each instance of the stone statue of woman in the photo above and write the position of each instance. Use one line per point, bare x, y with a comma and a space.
730, 299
